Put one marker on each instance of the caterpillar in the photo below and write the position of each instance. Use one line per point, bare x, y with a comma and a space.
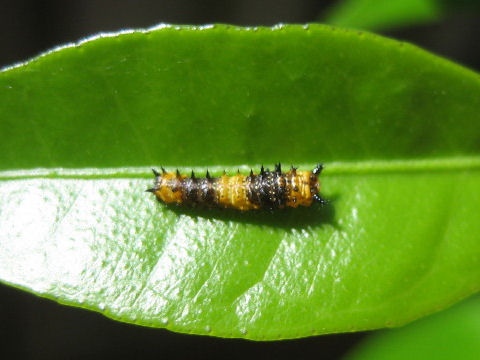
267, 190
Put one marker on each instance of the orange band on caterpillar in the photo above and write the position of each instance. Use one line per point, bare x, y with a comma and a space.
267, 190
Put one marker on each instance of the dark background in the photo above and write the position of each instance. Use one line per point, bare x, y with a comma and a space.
36, 328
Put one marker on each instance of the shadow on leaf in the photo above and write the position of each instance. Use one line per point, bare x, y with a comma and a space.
287, 218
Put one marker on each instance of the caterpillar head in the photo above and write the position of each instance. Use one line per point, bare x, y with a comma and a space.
315, 184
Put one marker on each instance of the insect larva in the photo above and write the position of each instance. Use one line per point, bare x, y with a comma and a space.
267, 190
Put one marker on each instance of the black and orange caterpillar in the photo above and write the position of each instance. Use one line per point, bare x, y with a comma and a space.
267, 190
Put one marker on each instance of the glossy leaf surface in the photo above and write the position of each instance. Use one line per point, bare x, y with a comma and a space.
397, 128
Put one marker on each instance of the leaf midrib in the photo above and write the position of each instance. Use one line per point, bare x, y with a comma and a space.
333, 168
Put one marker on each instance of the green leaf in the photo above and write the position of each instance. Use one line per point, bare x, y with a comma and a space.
377, 15
451, 334
397, 128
